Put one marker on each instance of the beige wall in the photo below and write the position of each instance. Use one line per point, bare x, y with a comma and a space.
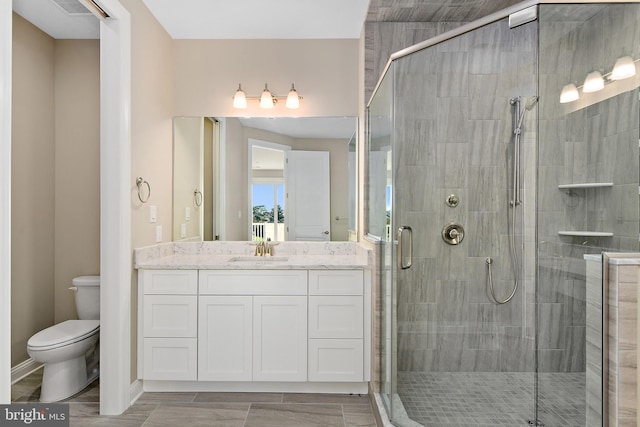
77, 168
151, 136
32, 187
235, 203
207, 73
151, 122
187, 164
55, 177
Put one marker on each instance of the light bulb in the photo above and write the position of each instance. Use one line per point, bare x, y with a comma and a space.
293, 101
569, 93
266, 99
593, 82
240, 99
624, 68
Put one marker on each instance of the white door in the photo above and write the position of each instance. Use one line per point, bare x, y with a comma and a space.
280, 338
307, 183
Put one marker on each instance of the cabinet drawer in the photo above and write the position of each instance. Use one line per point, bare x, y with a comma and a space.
253, 282
170, 281
335, 282
170, 316
336, 360
170, 359
335, 317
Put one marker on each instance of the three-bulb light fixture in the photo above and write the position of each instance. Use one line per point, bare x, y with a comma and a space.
624, 68
267, 99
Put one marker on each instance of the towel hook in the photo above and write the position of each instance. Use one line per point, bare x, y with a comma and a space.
140, 182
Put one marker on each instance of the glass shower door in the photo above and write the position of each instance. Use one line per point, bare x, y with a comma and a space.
459, 357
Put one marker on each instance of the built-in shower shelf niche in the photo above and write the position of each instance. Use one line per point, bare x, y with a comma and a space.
585, 233
585, 185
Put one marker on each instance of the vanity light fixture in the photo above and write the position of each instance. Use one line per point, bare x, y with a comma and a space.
569, 93
624, 68
267, 98
293, 100
593, 82
240, 99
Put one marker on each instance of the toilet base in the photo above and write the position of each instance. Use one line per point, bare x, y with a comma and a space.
64, 379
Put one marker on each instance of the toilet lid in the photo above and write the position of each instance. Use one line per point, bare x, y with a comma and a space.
64, 333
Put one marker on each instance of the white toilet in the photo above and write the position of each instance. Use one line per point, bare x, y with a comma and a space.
70, 350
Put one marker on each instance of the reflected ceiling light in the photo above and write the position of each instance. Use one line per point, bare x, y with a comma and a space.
623, 69
240, 99
267, 98
593, 82
569, 93
293, 100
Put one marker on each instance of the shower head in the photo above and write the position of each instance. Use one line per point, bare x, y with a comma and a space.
531, 103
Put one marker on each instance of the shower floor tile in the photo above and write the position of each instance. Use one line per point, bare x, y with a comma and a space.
492, 398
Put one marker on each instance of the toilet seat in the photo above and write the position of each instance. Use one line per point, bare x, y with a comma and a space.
65, 333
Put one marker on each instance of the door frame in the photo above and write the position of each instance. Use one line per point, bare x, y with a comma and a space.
251, 142
6, 40
115, 210
116, 187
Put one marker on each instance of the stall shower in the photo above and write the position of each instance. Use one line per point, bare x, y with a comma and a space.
485, 192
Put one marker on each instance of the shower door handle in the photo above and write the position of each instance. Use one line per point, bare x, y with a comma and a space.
405, 241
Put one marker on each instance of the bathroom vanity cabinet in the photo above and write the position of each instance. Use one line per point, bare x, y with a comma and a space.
244, 330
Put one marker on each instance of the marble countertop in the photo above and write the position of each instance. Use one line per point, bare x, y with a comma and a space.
239, 256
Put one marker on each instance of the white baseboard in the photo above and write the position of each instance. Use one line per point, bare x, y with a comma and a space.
135, 391
23, 369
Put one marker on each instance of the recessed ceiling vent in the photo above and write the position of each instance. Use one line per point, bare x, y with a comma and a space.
72, 7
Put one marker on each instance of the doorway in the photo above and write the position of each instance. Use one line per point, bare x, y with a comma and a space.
267, 190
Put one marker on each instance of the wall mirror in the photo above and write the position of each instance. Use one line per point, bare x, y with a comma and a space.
256, 178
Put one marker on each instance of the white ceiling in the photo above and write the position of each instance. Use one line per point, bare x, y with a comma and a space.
215, 19
260, 19
305, 127
55, 21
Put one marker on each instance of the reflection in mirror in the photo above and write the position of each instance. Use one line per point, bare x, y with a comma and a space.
246, 197
380, 182
353, 185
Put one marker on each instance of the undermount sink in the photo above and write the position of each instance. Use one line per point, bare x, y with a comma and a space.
258, 259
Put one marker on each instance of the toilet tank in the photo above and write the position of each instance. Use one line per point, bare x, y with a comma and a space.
87, 294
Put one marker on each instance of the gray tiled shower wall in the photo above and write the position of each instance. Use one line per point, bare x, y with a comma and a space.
594, 143
453, 135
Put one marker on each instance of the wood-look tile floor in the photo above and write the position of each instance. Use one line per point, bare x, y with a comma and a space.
212, 409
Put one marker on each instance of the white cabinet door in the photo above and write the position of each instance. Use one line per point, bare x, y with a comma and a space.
280, 338
170, 359
336, 360
224, 338
170, 316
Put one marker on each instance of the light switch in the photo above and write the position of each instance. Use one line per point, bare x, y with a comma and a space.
239, 214
158, 233
183, 230
187, 214
153, 210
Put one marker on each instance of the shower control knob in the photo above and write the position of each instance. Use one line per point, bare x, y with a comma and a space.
453, 233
